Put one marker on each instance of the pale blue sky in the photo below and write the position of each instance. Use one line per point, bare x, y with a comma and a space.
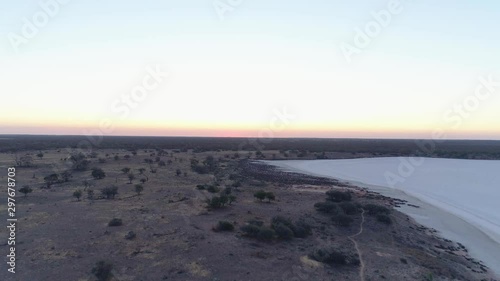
266, 53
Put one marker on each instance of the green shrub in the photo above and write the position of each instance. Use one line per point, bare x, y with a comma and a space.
342, 220
115, 222
250, 230
212, 189
214, 203
130, 235
98, 173
25, 190
139, 188
102, 270
327, 207
373, 209
329, 256
338, 196
256, 222
266, 234
200, 187
348, 208
384, 219
283, 232
302, 229
77, 194
224, 226
110, 192
261, 195
270, 196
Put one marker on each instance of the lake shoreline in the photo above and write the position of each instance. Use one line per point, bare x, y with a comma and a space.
448, 225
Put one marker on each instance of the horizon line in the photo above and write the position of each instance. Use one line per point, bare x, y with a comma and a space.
251, 137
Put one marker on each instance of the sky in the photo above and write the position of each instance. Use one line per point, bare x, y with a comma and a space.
251, 68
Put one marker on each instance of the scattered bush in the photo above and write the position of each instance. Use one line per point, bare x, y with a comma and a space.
338, 196
250, 230
374, 210
260, 232
78, 193
109, 192
102, 270
139, 188
348, 208
329, 256
51, 179
266, 234
98, 173
270, 196
283, 232
212, 188
131, 177
80, 163
25, 190
224, 226
115, 222
342, 220
220, 201
327, 207
384, 219
261, 195
256, 222
130, 235
302, 229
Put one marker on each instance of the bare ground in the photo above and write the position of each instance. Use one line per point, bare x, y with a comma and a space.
60, 238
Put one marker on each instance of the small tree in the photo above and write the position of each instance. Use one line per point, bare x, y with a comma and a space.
141, 171
178, 172
343, 220
261, 195
143, 180
51, 179
125, 170
131, 177
87, 184
139, 188
338, 196
77, 194
90, 194
98, 173
231, 199
40, 155
66, 175
102, 270
110, 192
25, 190
270, 196
115, 222
224, 226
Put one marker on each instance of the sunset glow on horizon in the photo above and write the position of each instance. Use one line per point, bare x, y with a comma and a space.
279, 69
